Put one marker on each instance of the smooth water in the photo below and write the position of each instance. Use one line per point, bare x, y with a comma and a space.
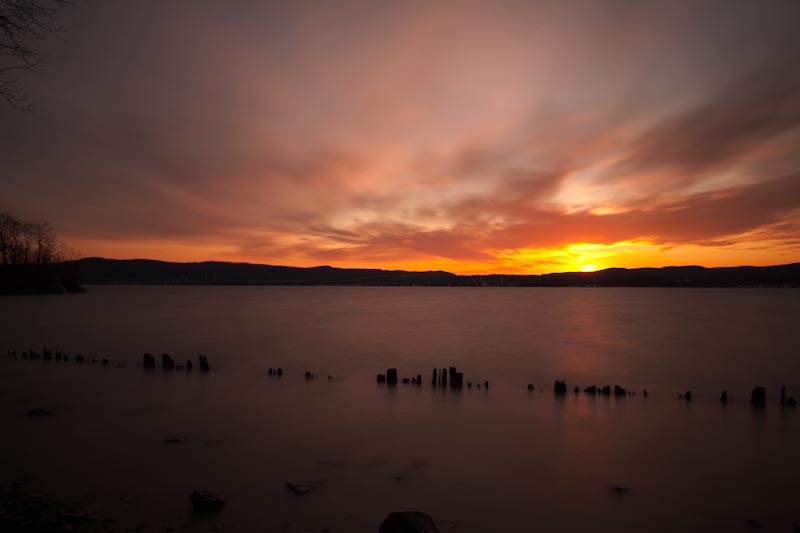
505, 459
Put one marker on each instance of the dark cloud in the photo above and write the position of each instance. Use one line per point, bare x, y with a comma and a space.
747, 115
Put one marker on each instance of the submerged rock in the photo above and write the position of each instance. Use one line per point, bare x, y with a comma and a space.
204, 500
20, 511
302, 487
39, 413
172, 440
758, 397
408, 522
620, 489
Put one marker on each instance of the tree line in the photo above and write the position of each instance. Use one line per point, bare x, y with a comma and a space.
29, 243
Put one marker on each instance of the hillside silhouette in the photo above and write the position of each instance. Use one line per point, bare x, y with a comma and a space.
148, 272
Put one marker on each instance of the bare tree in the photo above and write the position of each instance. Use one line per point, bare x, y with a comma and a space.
22, 23
30, 243
33, 260
11, 230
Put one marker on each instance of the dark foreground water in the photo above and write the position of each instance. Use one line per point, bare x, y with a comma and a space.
505, 459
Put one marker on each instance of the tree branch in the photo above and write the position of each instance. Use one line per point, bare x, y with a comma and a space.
23, 21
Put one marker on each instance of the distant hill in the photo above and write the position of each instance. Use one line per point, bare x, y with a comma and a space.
146, 272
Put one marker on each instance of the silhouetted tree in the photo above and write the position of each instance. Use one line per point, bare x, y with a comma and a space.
33, 260
23, 22
30, 243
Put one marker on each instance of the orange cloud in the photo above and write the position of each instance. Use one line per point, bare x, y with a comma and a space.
495, 137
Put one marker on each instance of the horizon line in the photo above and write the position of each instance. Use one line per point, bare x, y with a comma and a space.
426, 271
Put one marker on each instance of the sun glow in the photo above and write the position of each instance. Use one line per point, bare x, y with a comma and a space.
577, 257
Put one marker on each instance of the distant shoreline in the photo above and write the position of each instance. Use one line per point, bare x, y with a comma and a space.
365, 285
32, 279
98, 271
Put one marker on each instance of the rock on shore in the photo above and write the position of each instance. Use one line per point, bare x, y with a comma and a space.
408, 522
204, 500
302, 487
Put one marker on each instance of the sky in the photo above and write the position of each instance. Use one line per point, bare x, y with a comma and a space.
473, 137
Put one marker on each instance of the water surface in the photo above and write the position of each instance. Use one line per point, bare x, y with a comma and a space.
505, 459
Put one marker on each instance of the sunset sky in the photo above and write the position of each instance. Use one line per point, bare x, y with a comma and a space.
473, 137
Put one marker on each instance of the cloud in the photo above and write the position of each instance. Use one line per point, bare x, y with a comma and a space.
760, 107
709, 219
392, 133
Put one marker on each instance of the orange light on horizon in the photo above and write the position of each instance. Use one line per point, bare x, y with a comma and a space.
576, 257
